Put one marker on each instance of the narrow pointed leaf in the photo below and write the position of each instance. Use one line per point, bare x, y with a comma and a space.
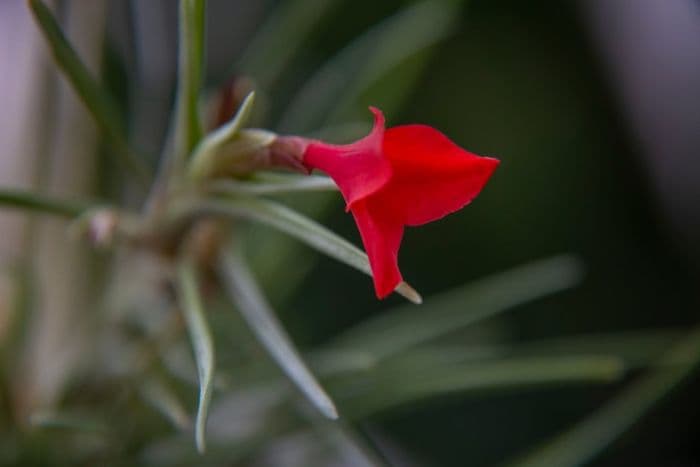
166, 402
404, 327
187, 125
193, 312
396, 63
371, 56
212, 143
416, 377
639, 349
354, 447
18, 199
308, 231
248, 298
67, 421
281, 36
99, 103
272, 184
585, 441
185, 129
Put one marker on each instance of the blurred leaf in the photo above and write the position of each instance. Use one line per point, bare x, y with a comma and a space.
301, 227
191, 36
413, 378
354, 448
282, 35
193, 312
209, 147
331, 362
581, 444
100, 104
67, 421
371, 56
185, 128
165, 401
270, 184
343, 133
404, 327
636, 348
248, 298
17, 199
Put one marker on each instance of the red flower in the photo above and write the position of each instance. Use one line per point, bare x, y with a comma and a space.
406, 175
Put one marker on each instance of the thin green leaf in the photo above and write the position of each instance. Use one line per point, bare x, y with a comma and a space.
166, 402
281, 36
17, 199
98, 102
581, 444
229, 131
365, 60
292, 223
409, 379
67, 421
248, 298
404, 327
272, 184
636, 348
185, 129
633, 348
204, 156
193, 312
188, 126
355, 448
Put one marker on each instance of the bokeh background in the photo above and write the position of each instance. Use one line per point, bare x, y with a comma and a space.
593, 107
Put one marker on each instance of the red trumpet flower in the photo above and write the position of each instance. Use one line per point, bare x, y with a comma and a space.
403, 176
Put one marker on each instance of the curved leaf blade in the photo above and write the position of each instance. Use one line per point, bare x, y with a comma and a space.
202, 343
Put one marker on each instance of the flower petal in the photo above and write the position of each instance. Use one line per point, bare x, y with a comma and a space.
359, 169
431, 176
381, 236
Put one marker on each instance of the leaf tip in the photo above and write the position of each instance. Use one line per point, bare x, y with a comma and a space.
409, 293
329, 410
201, 444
